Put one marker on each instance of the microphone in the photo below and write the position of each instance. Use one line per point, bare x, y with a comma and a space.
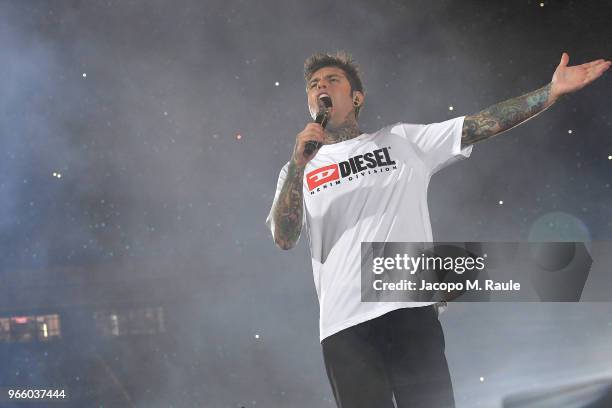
321, 118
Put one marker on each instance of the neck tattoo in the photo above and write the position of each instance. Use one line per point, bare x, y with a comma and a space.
346, 131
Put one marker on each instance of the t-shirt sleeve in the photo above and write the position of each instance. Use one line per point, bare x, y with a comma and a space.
438, 143
279, 185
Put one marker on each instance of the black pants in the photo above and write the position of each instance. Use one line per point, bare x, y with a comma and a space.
399, 354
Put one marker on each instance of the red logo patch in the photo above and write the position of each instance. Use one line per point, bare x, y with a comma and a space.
322, 175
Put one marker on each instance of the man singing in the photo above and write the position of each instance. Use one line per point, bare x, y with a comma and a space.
355, 187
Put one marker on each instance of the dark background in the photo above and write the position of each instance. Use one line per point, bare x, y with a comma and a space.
168, 127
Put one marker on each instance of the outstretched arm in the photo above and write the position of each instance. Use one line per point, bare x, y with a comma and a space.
508, 114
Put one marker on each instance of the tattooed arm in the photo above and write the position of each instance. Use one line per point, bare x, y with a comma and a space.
505, 115
288, 209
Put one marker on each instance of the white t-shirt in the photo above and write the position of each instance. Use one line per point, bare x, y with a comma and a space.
372, 188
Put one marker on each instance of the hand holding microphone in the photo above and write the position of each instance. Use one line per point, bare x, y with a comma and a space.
321, 119
309, 140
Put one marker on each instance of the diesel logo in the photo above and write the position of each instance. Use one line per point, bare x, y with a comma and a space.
376, 158
351, 168
322, 175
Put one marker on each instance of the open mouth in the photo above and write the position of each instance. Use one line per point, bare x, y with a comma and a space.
322, 103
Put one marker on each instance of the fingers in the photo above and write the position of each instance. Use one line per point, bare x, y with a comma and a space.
312, 131
595, 71
303, 151
595, 63
599, 67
